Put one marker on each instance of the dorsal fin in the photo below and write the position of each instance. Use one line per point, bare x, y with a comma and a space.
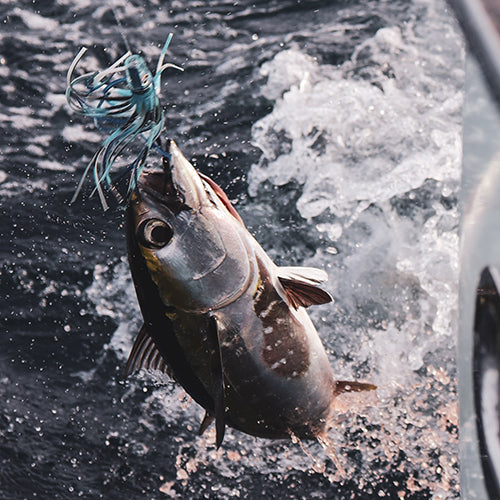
144, 354
301, 285
222, 197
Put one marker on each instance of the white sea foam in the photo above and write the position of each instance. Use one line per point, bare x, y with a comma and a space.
354, 143
77, 133
21, 118
349, 140
35, 21
54, 165
113, 294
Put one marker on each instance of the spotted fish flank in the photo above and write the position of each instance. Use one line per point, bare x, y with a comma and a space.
285, 348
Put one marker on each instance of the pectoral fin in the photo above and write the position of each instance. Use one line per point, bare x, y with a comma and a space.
144, 354
301, 285
217, 382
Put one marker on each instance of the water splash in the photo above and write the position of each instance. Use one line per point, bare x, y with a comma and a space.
374, 148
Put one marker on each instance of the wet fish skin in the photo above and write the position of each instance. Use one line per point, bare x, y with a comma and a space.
219, 316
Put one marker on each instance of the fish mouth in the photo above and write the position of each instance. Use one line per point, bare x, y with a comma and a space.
157, 182
158, 179
174, 183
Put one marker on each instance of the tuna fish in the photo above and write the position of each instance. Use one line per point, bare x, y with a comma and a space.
219, 316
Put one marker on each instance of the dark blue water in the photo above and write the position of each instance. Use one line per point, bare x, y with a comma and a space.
335, 129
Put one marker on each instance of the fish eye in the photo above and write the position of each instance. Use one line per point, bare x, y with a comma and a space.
154, 233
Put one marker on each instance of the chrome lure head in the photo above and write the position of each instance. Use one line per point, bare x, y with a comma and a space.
187, 237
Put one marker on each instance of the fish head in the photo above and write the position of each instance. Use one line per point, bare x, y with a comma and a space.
195, 251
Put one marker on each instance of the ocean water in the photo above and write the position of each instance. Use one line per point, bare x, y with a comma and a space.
335, 128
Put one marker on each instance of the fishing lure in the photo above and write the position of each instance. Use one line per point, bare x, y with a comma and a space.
128, 107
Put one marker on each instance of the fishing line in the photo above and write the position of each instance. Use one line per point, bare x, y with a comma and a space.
120, 26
